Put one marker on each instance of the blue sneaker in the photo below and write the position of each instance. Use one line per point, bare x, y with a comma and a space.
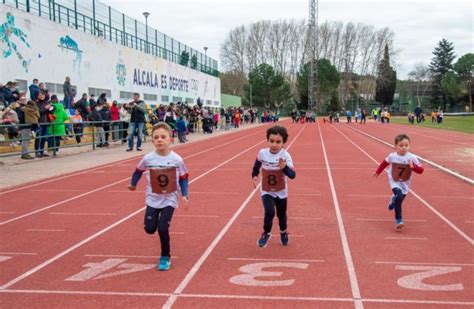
284, 238
262, 242
164, 263
399, 224
391, 205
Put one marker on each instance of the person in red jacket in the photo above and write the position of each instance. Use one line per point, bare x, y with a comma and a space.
115, 115
401, 164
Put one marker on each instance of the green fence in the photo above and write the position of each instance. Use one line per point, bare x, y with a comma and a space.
100, 20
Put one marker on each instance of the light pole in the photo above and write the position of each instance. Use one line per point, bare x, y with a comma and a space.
146, 14
205, 58
250, 95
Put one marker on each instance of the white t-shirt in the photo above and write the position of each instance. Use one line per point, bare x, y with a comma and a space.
396, 158
270, 162
154, 160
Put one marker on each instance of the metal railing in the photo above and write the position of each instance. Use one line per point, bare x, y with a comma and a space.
114, 26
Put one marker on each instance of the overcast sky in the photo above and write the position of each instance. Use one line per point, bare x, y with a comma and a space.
418, 24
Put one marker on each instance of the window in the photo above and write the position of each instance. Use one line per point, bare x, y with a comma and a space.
208, 102
189, 100
98, 91
150, 97
177, 99
165, 98
126, 95
216, 103
22, 84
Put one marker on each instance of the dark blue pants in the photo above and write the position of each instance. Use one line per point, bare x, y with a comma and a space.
40, 139
270, 204
160, 219
397, 202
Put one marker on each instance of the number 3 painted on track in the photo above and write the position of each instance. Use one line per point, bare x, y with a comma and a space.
415, 281
251, 271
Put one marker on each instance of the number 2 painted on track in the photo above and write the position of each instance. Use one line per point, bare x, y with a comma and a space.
415, 281
252, 271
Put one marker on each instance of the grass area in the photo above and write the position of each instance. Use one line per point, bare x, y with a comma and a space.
454, 123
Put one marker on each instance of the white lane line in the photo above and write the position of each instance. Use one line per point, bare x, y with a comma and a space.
196, 216
214, 193
103, 231
7, 212
444, 169
276, 260
370, 195
436, 212
44, 230
18, 253
417, 263
387, 220
172, 299
81, 214
292, 218
126, 256
252, 297
454, 197
342, 231
407, 238
56, 190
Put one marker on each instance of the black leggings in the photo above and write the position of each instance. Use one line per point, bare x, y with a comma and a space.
269, 204
160, 219
397, 202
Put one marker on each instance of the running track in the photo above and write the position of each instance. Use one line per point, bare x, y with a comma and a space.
79, 241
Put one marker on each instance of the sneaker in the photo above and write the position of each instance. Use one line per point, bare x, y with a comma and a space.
129, 149
391, 205
27, 157
164, 263
284, 238
139, 149
399, 224
262, 242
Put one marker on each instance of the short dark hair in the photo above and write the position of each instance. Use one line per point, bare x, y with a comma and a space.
35, 80
401, 137
136, 93
278, 130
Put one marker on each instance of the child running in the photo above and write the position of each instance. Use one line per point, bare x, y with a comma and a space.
402, 163
277, 165
166, 171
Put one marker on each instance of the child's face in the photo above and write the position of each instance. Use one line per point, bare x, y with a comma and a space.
403, 146
275, 142
161, 139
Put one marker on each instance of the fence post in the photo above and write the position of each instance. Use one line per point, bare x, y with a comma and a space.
75, 14
93, 15
110, 23
136, 34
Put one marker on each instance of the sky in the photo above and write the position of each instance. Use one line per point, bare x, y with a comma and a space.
418, 24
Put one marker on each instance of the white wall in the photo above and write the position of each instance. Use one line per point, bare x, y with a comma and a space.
94, 62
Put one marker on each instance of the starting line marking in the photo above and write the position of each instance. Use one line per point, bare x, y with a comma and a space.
81, 214
293, 218
275, 260
256, 297
416, 263
390, 220
19, 253
44, 230
197, 216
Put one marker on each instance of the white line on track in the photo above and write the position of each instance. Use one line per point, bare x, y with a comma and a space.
125, 256
342, 231
82, 214
196, 216
444, 169
436, 212
275, 260
407, 238
418, 263
55, 190
18, 253
171, 300
7, 212
293, 218
44, 230
105, 230
247, 297
370, 195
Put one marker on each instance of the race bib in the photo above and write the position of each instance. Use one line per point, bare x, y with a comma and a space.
401, 172
163, 180
273, 180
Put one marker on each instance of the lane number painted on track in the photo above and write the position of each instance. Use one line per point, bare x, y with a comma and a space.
96, 271
255, 270
415, 281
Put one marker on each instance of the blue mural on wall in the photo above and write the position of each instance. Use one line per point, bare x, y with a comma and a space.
66, 42
8, 31
121, 72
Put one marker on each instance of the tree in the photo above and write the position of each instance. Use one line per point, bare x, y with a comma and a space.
453, 86
386, 81
328, 79
269, 89
440, 64
233, 83
464, 67
334, 102
421, 75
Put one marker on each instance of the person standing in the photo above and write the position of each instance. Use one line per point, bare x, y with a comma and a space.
137, 121
69, 93
34, 89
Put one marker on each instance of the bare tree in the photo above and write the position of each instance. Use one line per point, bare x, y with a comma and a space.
421, 75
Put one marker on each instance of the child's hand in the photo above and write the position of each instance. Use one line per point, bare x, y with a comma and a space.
410, 164
186, 203
282, 163
375, 174
131, 188
255, 181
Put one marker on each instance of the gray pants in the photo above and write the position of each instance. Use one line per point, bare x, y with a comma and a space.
115, 131
99, 135
25, 140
